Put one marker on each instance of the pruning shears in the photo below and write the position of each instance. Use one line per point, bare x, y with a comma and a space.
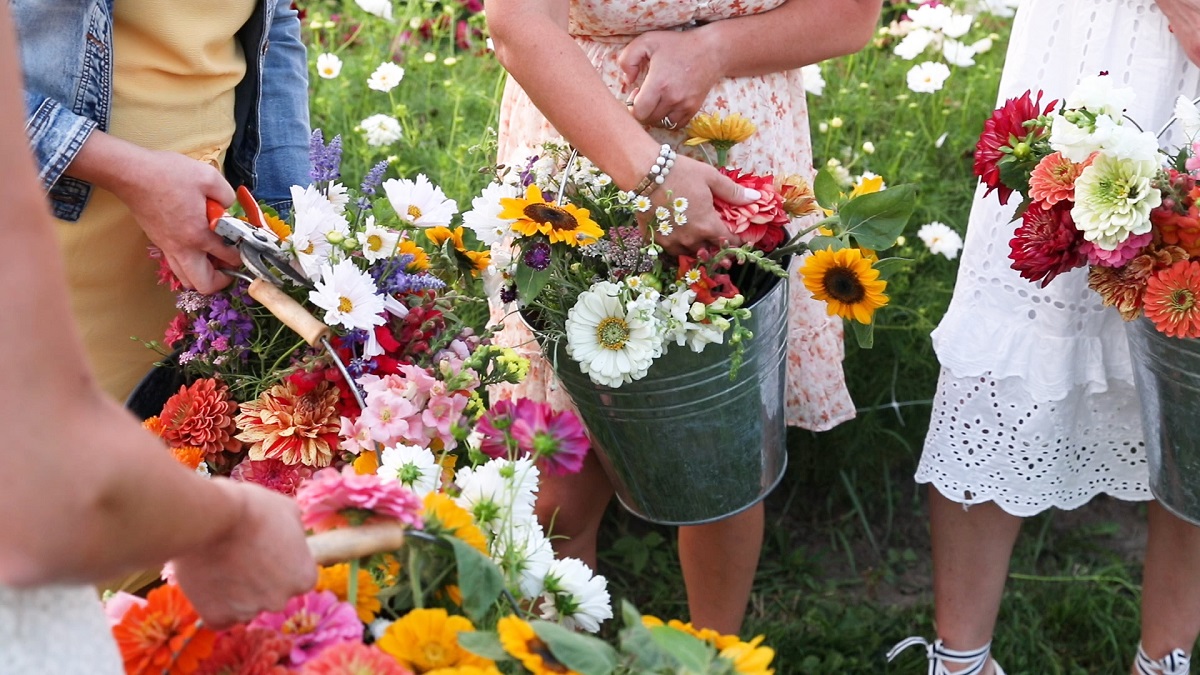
254, 240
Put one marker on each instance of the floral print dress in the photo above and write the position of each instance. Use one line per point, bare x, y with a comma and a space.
817, 398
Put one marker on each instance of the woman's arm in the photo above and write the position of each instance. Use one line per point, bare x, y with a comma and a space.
1184, 16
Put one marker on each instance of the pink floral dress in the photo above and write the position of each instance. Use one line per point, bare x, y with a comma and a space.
817, 398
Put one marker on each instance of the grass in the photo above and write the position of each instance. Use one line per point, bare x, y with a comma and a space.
845, 570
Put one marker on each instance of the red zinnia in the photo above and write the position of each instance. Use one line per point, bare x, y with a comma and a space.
200, 416
1005, 136
1172, 299
248, 651
162, 636
1046, 243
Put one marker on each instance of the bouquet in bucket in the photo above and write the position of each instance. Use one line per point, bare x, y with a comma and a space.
580, 258
382, 431
1098, 191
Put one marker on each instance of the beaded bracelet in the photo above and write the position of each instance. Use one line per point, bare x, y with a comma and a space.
658, 172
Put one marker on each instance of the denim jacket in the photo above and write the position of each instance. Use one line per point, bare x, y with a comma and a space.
66, 56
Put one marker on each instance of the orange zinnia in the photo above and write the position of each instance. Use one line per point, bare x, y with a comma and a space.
163, 636
1053, 179
1172, 299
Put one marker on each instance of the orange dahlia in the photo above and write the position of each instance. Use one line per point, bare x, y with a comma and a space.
1053, 179
162, 636
292, 427
1122, 287
201, 416
798, 198
1172, 299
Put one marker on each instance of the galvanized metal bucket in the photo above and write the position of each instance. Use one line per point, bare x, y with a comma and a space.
1167, 372
686, 444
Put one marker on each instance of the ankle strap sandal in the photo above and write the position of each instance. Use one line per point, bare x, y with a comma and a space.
975, 660
1175, 663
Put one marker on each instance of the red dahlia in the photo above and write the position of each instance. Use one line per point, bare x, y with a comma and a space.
1046, 243
1004, 156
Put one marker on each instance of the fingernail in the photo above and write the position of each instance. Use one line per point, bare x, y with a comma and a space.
752, 194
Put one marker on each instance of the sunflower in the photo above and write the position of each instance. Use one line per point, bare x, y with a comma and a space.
443, 516
276, 225
427, 639
749, 658
477, 261
720, 131
420, 259
533, 215
845, 280
336, 578
520, 640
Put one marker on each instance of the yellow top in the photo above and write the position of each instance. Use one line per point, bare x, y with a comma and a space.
175, 67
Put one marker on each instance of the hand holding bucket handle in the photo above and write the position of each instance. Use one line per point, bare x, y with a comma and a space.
351, 543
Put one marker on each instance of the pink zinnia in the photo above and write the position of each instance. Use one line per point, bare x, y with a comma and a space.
331, 500
1124, 252
1053, 179
557, 441
494, 428
351, 658
314, 621
272, 473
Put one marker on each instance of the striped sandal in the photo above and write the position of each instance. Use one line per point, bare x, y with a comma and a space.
974, 660
1175, 663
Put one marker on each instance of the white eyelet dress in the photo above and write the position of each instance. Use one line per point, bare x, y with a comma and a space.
1035, 406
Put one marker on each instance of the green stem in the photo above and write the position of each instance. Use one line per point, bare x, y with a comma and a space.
414, 578
352, 585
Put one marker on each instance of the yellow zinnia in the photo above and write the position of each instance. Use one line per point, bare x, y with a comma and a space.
532, 214
443, 516
520, 640
724, 131
709, 635
465, 670
427, 639
845, 280
477, 260
749, 658
336, 578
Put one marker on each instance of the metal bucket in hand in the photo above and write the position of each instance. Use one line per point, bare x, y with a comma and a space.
1167, 372
686, 444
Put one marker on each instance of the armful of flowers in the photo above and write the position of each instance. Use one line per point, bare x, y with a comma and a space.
1098, 191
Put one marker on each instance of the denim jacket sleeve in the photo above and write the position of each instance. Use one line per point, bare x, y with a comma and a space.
57, 134
283, 161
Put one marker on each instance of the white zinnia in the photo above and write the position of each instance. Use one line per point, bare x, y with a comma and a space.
386, 77
420, 202
413, 466
380, 8
1113, 200
329, 66
525, 553
348, 296
315, 219
1099, 95
1076, 143
927, 77
381, 130
611, 345
814, 82
484, 217
499, 492
377, 242
940, 239
574, 597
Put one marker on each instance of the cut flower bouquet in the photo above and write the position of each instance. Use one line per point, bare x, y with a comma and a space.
1098, 191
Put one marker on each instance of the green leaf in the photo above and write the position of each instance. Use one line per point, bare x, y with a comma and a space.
530, 282
864, 333
483, 643
826, 189
478, 578
582, 653
889, 266
876, 220
821, 242
692, 653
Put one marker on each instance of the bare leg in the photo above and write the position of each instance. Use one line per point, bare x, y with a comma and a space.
719, 561
571, 508
971, 551
1171, 584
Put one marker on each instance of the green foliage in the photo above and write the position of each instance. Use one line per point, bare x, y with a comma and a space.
478, 577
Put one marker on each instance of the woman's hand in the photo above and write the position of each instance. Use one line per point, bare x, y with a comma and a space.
699, 183
1184, 16
679, 69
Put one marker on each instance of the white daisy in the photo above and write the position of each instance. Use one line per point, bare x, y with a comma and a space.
329, 66
642, 203
574, 597
940, 239
611, 345
665, 228
377, 242
413, 466
338, 195
484, 217
386, 77
381, 130
380, 8
315, 218
420, 202
348, 296
927, 77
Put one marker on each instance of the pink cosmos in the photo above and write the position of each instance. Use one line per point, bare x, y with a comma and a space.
557, 441
272, 474
315, 622
1127, 250
494, 427
331, 500
351, 658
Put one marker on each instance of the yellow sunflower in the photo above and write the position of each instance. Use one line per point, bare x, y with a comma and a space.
720, 131
845, 280
749, 658
443, 516
477, 260
568, 223
276, 225
427, 639
520, 640
420, 261
336, 578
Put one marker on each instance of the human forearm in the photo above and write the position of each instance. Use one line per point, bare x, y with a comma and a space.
795, 34
1184, 16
